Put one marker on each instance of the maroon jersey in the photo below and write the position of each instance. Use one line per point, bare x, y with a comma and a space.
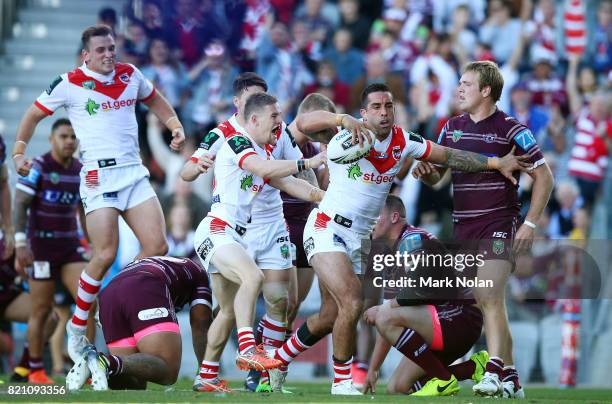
293, 208
187, 283
53, 211
478, 194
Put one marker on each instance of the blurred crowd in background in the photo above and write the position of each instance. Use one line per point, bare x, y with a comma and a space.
193, 49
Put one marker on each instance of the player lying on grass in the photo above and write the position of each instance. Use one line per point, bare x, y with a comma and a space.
138, 317
431, 333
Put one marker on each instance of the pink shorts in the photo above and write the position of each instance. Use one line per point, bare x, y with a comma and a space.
155, 328
438, 341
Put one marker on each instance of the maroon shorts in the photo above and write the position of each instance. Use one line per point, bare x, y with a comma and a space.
8, 293
50, 256
132, 307
490, 235
457, 327
296, 235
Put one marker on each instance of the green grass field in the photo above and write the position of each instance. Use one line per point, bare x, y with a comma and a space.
302, 393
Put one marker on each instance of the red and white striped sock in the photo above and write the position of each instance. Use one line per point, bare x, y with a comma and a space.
246, 340
209, 370
290, 349
88, 290
342, 370
272, 336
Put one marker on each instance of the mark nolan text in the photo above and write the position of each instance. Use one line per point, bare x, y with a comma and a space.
429, 282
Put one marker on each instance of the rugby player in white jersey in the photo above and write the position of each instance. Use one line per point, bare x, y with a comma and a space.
100, 97
267, 236
346, 216
243, 165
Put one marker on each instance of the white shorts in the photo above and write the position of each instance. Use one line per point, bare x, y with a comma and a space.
115, 187
321, 234
211, 234
268, 244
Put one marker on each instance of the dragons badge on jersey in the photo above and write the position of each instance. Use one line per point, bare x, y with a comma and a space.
396, 152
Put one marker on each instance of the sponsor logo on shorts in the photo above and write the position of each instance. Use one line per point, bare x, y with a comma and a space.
42, 269
499, 234
151, 314
204, 248
216, 198
282, 239
498, 247
309, 246
284, 249
339, 241
110, 196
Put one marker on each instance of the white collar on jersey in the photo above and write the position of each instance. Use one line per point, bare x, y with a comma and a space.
100, 77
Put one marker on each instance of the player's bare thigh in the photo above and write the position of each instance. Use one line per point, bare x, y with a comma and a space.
416, 317
404, 376
224, 291
335, 272
103, 232
498, 271
149, 225
233, 262
164, 345
19, 309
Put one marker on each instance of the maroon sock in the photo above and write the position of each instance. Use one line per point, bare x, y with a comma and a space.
36, 364
24, 362
495, 365
414, 347
418, 385
115, 365
463, 370
511, 375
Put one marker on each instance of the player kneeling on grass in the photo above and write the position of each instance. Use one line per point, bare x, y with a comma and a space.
432, 328
138, 316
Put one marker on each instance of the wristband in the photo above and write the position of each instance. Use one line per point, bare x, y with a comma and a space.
19, 148
529, 224
173, 127
301, 165
493, 163
20, 239
17, 154
339, 118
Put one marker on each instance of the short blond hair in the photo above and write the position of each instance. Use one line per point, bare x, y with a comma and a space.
489, 75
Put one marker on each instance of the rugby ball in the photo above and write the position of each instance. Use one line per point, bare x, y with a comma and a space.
341, 149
